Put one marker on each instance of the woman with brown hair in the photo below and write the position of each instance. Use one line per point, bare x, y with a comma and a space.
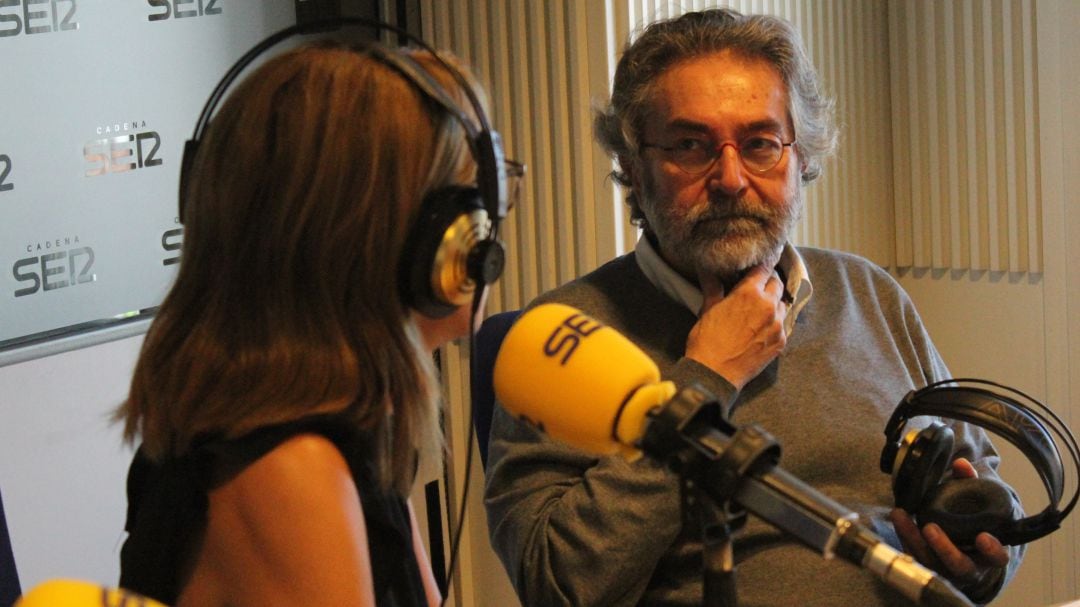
286, 387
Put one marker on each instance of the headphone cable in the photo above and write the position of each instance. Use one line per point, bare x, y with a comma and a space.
455, 543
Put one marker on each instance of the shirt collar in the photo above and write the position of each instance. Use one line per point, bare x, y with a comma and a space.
675, 286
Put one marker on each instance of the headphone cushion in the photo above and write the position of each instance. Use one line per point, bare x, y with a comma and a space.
923, 466
965, 507
439, 211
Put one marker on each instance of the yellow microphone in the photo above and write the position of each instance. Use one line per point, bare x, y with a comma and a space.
578, 380
77, 593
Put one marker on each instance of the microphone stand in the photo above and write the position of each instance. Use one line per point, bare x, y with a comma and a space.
708, 478
726, 471
718, 558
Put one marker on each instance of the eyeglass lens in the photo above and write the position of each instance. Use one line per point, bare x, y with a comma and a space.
759, 153
515, 174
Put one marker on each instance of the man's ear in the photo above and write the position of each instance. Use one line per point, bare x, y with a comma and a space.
804, 166
629, 170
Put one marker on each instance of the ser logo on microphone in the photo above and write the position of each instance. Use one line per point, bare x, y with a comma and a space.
567, 336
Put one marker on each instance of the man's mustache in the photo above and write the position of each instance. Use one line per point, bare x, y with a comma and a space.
727, 209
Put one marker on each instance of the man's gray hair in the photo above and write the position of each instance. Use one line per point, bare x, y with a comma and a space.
618, 126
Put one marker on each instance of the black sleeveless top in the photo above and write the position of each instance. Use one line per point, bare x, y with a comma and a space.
167, 504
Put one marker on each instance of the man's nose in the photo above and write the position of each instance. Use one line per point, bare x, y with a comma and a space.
728, 173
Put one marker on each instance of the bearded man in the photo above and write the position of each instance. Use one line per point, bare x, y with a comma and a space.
717, 122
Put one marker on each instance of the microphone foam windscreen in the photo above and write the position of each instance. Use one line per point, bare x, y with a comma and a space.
577, 380
77, 593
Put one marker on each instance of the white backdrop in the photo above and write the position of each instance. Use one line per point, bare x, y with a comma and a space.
97, 101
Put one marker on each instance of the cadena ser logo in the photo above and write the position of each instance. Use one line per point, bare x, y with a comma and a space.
5, 173
54, 264
567, 336
36, 17
129, 146
171, 240
179, 9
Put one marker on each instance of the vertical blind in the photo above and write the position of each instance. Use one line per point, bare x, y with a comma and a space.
964, 127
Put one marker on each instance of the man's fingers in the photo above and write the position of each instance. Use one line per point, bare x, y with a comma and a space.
991, 551
711, 289
959, 565
759, 273
966, 569
756, 278
933, 548
739, 333
962, 468
909, 535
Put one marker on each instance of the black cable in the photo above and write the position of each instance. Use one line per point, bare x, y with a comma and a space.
455, 543
436, 552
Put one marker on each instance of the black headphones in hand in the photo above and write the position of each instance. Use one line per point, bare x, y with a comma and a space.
452, 251
919, 461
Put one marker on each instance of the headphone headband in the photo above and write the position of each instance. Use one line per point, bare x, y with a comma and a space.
998, 414
320, 26
484, 142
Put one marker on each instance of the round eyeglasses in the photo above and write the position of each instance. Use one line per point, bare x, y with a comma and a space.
759, 153
515, 173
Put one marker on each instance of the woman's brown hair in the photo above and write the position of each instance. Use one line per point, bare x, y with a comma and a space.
286, 302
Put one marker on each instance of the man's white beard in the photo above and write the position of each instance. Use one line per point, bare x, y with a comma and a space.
723, 238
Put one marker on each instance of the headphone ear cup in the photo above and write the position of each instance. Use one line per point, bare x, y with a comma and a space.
433, 272
922, 462
964, 507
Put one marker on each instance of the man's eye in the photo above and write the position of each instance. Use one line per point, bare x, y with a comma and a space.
760, 144
690, 145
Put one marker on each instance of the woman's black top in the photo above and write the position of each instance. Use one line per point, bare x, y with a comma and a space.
167, 504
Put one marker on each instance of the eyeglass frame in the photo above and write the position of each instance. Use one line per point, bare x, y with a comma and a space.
515, 172
718, 151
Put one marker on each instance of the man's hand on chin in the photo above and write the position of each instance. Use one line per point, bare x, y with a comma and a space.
740, 332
